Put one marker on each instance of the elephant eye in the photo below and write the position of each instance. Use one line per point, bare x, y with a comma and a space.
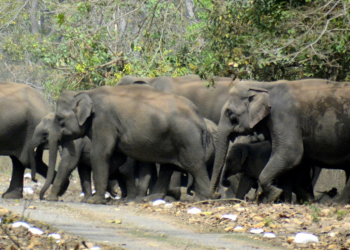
229, 114
60, 121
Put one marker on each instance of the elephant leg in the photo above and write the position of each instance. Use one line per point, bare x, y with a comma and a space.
161, 187
127, 175
201, 182
112, 187
344, 197
15, 191
279, 163
84, 172
175, 185
146, 171
190, 184
71, 152
101, 155
245, 184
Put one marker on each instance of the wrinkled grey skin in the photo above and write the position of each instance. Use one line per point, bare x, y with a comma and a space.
21, 109
135, 121
301, 118
77, 154
251, 158
178, 178
209, 101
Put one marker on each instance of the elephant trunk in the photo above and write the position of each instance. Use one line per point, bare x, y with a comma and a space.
53, 147
224, 177
32, 162
221, 146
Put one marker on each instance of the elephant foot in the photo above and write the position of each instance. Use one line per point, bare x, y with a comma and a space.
64, 188
14, 194
271, 196
85, 199
153, 197
139, 199
51, 198
341, 200
96, 200
216, 196
170, 199
175, 192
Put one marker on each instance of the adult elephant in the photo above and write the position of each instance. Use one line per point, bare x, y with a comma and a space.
22, 108
209, 101
76, 153
136, 121
301, 118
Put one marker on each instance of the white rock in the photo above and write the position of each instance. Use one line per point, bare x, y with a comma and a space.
54, 236
36, 231
28, 190
269, 235
81, 194
194, 210
332, 234
232, 217
238, 227
115, 197
95, 248
158, 202
27, 176
168, 205
256, 230
21, 224
305, 238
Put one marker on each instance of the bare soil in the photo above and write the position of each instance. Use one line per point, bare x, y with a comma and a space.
143, 226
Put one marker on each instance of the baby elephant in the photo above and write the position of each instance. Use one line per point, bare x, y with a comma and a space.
251, 158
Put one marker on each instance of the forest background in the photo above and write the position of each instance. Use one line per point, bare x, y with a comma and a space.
55, 45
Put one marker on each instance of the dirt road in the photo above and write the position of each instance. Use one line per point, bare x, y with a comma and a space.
124, 226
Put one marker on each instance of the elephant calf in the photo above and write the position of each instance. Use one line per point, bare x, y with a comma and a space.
251, 158
77, 154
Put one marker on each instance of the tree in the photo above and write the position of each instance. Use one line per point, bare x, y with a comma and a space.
273, 39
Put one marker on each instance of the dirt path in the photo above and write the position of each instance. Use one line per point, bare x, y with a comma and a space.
135, 231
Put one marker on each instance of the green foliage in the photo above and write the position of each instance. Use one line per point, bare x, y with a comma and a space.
271, 39
341, 214
315, 214
84, 44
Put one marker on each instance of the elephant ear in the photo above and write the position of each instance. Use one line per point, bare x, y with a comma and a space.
259, 106
83, 107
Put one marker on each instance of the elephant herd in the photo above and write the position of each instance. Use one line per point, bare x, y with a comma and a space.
144, 134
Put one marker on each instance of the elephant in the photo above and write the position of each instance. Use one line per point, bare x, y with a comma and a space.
136, 121
303, 118
22, 108
77, 154
209, 101
251, 158
179, 178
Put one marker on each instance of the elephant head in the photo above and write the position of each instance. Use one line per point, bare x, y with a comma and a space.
39, 139
244, 109
71, 121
